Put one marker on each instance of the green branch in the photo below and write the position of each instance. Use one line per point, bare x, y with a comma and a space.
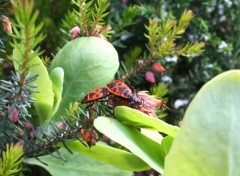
90, 17
162, 38
11, 160
26, 36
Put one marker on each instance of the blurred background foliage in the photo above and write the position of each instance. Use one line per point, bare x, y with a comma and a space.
216, 23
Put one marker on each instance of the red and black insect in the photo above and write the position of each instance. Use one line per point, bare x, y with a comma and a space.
122, 90
89, 136
119, 88
96, 94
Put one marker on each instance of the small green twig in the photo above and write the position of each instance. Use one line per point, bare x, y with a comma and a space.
83, 16
26, 56
137, 69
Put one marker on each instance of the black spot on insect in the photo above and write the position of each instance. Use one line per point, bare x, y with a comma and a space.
104, 91
120, 84
91, 95
121, 90
111, 85
127, 93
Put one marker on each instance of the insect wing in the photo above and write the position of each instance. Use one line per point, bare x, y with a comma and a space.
119, 88
96, 94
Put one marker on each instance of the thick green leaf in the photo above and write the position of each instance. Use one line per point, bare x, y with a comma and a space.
45, 97
88, 63
166, 144
57, 76
152, 134
122, 159
138, 119
145, 148
208, 142
76, 164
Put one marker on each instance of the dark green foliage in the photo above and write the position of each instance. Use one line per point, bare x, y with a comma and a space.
15, 101
214, 23
90, 16
26, 36
217, 24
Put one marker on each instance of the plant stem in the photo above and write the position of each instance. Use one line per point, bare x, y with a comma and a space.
26, 55
84, 18
137, 69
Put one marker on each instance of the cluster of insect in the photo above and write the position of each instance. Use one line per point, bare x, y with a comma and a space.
116, 93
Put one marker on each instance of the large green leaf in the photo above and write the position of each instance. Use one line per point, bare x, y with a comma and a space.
45, 97
76, 164
145, 148
209, 142
88, 63
166, 144
116, 157
57, 76
138, 119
